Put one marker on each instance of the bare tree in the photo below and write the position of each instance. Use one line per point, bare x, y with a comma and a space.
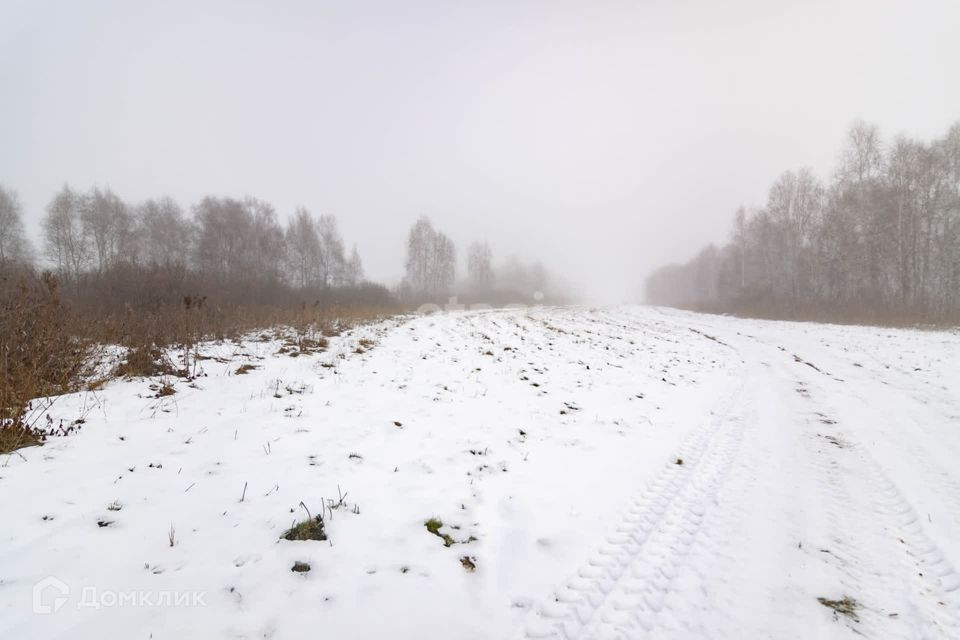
14, 246
267, 242
431, 260
107, 223
862, 157
223, 244
353, 271
795, 205
480, 267
444, 264
739, 243
164, 234
420, 243
66, 241
303, 248
332, 260
239, 242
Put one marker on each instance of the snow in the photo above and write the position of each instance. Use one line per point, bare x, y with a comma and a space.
818, 461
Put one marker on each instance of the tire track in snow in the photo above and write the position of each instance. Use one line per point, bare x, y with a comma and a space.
622, 589
875, 544
909, 590
939, 580
934, 476
895, 589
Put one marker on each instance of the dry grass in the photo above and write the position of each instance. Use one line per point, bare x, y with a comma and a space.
46, 347
311, 529
151, 333
39, 357
846, 606
165, 340
13, 438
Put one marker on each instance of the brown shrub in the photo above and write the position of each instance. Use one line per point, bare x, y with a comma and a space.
39, 358
46, 343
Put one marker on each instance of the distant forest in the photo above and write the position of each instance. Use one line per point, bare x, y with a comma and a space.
158, 280
879, 242
108, 254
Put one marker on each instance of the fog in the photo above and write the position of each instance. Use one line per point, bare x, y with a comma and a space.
603, 139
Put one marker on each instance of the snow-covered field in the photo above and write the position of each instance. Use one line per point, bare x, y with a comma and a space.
601, 473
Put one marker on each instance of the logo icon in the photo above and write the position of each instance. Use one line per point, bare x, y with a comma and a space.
49, 595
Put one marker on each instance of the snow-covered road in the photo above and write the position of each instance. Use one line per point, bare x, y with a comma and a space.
605, 473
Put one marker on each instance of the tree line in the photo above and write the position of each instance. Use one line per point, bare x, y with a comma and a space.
104, 249
108, 252
879, 241
431, 273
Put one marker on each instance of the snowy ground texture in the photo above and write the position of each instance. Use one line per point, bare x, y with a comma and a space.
817, 462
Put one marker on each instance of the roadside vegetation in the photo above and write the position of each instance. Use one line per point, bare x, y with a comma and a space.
152, 280
52, 344
877, 243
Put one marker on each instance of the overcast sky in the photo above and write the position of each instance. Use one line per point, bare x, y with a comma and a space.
603, 138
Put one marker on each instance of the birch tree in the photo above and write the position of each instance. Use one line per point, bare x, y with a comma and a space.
66, 241
480, 266
14, 246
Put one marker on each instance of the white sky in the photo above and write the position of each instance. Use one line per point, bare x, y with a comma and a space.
604, 138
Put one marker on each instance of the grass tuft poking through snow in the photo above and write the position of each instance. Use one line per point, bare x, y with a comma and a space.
165, 389
310, 529
313, 528
846, 606
433, 526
